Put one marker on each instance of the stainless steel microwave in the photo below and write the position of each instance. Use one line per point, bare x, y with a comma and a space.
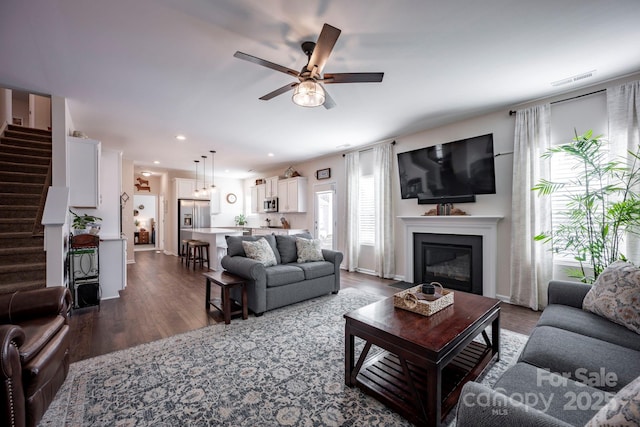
271, 204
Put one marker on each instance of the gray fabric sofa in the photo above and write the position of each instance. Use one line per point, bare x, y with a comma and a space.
287, 282
573, 364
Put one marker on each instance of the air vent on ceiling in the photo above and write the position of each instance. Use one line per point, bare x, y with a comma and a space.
574, 79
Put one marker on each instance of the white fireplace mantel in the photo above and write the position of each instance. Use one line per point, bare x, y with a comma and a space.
485, 226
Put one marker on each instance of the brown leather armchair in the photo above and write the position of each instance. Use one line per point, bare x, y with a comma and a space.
34, 352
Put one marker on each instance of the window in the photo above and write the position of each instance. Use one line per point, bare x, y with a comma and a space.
567, 118
366, 210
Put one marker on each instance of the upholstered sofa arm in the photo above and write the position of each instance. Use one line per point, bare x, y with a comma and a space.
335, 258
24, 305
480, 406
11, 389
244, 267
567, 293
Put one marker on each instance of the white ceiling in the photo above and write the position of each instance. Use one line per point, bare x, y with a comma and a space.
138, 72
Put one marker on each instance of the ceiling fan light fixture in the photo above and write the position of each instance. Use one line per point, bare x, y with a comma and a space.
308, 93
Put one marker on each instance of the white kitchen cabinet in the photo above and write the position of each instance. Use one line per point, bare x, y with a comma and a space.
261, 195
271, 187
84, 172
113, 266
292, 195
185, 188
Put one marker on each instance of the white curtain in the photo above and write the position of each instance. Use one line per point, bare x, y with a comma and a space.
352, 167
623, 110
531, 262
384, 236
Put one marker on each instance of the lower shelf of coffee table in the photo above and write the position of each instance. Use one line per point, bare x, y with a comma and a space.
382, 376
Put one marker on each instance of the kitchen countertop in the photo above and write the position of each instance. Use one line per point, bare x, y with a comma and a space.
213, 230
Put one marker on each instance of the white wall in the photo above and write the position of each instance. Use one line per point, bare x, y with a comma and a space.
228, 211
501, 124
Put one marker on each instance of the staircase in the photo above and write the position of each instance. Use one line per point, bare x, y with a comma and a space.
25, 176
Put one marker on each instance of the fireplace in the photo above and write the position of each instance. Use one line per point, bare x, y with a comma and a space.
484, 226
453, 260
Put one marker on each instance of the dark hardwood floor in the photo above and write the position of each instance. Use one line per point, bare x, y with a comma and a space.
164, 298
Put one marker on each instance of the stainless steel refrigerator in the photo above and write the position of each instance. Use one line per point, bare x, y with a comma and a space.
192, 214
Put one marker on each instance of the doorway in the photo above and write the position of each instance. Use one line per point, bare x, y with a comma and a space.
325, 215
145, 219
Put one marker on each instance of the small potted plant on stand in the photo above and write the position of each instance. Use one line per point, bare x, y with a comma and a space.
83, 224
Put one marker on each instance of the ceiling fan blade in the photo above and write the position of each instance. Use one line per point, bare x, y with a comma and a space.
329, 103
327, 39
353, 78
283, 89
266, 63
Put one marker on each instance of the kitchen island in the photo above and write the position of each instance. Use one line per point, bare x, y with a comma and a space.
217, 242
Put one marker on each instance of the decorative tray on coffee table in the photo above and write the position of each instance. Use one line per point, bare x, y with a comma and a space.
422, 306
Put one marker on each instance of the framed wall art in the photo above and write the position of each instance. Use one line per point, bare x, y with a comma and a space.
323, 173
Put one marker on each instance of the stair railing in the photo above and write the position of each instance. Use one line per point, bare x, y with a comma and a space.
38, 228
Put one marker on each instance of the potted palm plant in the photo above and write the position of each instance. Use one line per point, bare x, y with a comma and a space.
603, 205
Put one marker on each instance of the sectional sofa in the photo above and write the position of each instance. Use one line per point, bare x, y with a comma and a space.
576, 368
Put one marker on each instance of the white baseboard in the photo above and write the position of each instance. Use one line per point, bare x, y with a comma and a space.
504, 298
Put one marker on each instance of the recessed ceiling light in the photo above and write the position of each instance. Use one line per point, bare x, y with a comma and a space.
181, 137
270, 154
146, 173
156, 162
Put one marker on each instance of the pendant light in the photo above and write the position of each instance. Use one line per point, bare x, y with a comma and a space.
204, 191
213, 185
196, 193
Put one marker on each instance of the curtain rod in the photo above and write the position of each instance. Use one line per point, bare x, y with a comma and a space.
512, 112
370, 146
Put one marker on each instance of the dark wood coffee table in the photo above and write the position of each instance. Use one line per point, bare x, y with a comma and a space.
427, 359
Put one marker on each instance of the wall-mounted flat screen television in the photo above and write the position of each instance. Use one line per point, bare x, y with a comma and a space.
452, 172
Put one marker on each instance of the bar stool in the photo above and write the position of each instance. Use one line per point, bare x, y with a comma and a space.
184, 247
195, 251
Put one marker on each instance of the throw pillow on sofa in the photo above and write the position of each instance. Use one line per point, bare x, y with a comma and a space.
286, 245
261, 251
616, 295
234, 245
309, 250
622, 410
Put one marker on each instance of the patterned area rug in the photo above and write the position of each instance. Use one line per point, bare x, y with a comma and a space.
285, 368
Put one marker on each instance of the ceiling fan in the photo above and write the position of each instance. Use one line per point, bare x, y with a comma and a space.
308, 91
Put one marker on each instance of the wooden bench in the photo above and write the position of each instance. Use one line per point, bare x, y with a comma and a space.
226, 281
